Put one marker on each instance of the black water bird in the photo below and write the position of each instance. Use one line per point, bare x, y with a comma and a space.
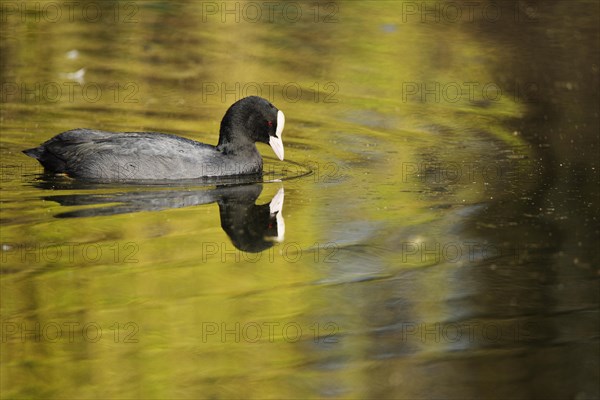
131, 156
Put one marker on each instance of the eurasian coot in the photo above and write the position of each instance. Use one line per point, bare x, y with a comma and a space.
101, 155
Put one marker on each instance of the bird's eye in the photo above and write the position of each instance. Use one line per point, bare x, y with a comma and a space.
269, 123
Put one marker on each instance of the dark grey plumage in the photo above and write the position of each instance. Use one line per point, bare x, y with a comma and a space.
124, 156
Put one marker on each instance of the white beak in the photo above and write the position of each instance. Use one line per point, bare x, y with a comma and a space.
275, 141
276, 206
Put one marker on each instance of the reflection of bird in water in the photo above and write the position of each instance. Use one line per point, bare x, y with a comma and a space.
251, 227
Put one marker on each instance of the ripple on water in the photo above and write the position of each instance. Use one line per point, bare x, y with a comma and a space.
273, 171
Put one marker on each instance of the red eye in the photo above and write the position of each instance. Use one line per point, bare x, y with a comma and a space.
269, 123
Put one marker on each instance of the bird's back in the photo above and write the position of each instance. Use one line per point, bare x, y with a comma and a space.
102, 155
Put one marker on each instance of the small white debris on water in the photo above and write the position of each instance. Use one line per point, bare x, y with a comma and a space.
73, 54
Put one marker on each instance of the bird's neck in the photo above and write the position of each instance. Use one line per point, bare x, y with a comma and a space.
234, 144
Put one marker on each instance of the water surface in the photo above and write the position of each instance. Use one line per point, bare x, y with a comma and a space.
440, 206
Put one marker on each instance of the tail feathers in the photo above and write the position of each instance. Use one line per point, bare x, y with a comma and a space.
49, 161
36, 152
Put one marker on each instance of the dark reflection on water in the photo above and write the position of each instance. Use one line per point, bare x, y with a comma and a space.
251, 227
